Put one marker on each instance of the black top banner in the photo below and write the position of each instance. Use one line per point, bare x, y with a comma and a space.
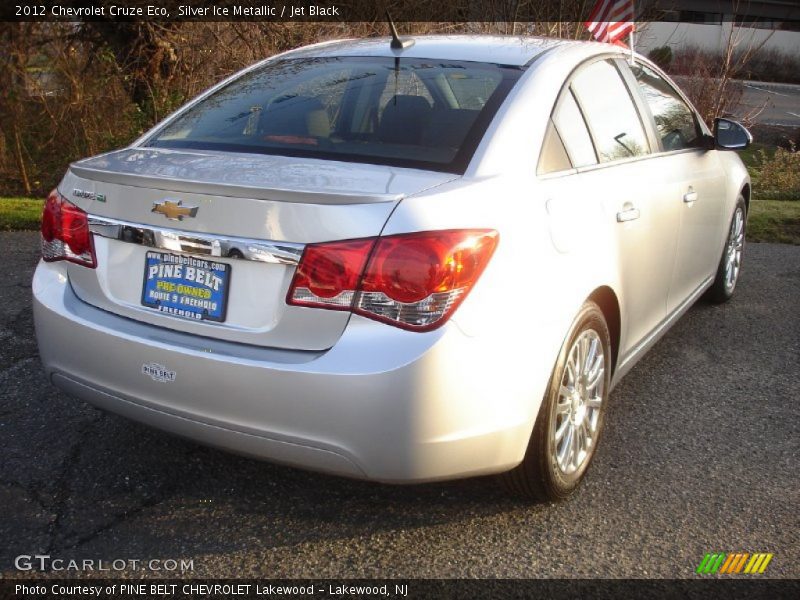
375, 10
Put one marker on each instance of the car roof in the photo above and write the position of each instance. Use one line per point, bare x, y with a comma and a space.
498, 49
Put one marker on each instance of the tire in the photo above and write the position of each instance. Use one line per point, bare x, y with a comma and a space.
547, 472
730, 264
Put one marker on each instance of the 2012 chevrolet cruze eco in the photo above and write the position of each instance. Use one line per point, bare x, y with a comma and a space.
395, 263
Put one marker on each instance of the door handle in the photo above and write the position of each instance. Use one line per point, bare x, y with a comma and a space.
690, 196
630, 213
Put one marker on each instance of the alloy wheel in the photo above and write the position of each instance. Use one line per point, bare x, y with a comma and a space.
580, 397
733, 253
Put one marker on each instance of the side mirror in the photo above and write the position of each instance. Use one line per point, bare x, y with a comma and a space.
730, 135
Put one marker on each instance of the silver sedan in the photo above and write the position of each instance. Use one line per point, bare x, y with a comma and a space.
401, 262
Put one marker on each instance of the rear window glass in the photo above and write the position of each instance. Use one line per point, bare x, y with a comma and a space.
403, 112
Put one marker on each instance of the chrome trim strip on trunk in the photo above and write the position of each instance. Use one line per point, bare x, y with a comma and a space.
204, 244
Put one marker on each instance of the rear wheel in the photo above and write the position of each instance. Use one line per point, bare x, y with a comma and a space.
730, 265
570, 420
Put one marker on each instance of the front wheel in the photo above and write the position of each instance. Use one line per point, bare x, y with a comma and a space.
730, 265
570, 420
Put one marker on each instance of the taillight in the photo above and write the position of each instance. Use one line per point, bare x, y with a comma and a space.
414, 281
65, 232
328, 274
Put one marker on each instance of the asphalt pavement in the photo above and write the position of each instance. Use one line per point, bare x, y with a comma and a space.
700, 455
770, 103
763, 103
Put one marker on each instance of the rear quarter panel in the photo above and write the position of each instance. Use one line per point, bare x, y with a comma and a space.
524, 303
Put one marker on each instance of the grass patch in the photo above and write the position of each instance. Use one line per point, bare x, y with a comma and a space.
20, 214
776, 221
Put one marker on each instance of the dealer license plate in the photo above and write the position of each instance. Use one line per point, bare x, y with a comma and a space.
185, 286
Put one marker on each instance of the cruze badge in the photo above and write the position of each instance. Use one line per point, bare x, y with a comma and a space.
174, 210
88, 195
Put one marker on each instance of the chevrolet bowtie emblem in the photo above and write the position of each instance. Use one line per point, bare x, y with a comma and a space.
174, 210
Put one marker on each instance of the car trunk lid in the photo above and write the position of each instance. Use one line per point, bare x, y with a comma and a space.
235, 222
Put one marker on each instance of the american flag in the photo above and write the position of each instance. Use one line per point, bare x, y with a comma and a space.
611, 20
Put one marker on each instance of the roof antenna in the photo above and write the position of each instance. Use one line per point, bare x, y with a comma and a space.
397, 43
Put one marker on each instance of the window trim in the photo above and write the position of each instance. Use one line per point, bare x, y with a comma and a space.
648, 124
569, 91
551, 126
565, 89
643, 108
589, 128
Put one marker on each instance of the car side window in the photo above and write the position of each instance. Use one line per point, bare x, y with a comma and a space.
612, 117
676, 123
554, 156
570, 125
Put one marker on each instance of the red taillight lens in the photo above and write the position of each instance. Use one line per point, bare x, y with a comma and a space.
51, 217
417, 280
75, 229
65, 232
396, 268
414, 281
328, 274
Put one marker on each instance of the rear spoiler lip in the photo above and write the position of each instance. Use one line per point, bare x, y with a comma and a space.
167, 184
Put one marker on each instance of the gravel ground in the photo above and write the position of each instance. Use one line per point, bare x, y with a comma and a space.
700, 455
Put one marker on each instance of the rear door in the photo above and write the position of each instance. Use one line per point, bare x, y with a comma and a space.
629, 185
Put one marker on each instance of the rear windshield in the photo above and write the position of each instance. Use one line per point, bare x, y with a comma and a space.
420, 113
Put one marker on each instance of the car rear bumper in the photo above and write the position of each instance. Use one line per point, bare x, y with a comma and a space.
382, 404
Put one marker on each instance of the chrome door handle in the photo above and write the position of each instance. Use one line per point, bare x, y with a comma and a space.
690, 196
629, 214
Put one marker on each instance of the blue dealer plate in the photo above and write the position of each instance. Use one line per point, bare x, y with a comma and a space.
184, 286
